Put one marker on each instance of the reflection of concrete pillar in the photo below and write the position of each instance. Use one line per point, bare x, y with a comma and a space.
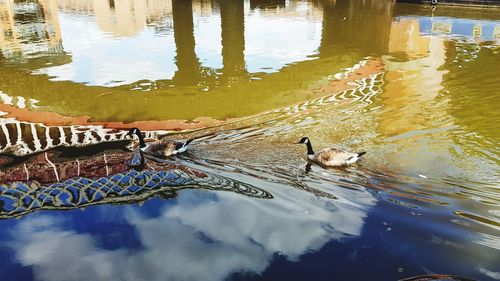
187, 63
328, 29
359, 24
8, 36
53, 30
233, 39
14, 34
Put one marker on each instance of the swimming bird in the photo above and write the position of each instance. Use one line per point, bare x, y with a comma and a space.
159, 148
332, 157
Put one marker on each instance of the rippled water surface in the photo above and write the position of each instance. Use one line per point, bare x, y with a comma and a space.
415, 86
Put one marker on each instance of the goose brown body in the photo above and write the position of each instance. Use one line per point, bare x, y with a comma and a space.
332, 157
335, 157
160, 148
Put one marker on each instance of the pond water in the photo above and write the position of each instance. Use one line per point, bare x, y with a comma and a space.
414, 86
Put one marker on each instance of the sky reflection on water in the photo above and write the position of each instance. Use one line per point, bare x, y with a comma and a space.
203, 236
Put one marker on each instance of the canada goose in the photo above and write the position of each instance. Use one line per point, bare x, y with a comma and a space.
159, 148
332, 157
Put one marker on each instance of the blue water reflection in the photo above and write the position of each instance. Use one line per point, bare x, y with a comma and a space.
199, 236
217, 236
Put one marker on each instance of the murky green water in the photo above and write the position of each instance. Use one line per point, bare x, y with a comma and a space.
414, 86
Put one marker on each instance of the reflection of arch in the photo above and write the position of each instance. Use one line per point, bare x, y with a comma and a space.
218, 104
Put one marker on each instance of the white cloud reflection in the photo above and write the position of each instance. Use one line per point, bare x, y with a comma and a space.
194, 240
101, 59
263, 54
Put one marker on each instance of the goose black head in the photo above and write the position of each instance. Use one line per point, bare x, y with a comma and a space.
137, 132
307, 142
304, 140
133, 131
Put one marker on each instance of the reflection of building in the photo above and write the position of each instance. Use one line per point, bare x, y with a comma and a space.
8, 34
127, 17
29, 27
414, 82
121, 17
204, 8
405, 38
485, 30
290, 9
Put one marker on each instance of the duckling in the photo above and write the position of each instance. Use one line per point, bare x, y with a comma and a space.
159, 148
331, 157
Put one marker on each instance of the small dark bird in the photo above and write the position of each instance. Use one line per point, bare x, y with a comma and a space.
332, 157
159, 148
